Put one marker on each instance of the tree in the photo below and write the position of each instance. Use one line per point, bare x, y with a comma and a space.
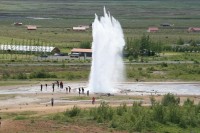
144, 45
132, 48
193, 43
86, 45
180, 41
156, 47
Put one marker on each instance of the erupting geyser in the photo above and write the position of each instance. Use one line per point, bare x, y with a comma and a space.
107, 47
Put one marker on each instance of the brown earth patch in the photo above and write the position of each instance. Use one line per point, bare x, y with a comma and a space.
42, 126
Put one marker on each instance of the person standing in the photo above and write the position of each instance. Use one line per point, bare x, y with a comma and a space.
61, 85
69, 89
79, 91
41, 87
66, 89
53, 86
82, 90
57, 83
46, 86
88, 93
0, 121
52, 102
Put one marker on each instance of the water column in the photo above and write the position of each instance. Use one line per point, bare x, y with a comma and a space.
107, 46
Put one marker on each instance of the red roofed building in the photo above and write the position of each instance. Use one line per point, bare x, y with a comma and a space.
153, 29
79, 28
193, 29
31, 27
82, 52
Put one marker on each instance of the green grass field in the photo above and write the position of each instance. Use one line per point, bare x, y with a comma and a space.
59, 16
55, 19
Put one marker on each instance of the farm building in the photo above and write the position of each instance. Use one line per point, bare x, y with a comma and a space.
31, 27
82, 52
86, 26
194, 29
23, 48
17, 23
79, 28
153, 29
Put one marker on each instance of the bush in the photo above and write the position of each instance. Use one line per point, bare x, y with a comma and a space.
75, 111
150, 69
130, 58
5, 75
188, 102
153, 100
21, 76
164, 64
86, 45
70, 76
139, 118
121, 109
170, 99
173, 114
159, 113
102, 113
41, 74
61, 117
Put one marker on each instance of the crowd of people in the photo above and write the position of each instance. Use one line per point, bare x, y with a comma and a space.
68, 89
60, 85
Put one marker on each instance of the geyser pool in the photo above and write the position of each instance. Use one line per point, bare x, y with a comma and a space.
107, 46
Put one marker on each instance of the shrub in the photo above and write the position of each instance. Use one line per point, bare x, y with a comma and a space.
153, 100
170, 99
130, 58
150, 69
85, 45
61, 117
173, 114
70, 76
164, 64
121, 109
5, 75
188, 102
75, 111
102, 113
41, 74
159, 113
21, 76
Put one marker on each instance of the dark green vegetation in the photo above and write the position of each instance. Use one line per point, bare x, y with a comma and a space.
165, 116
142, 72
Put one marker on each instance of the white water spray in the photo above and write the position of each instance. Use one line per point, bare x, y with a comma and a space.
107, 65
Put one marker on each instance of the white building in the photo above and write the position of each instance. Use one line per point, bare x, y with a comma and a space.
79, 28
21, 48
